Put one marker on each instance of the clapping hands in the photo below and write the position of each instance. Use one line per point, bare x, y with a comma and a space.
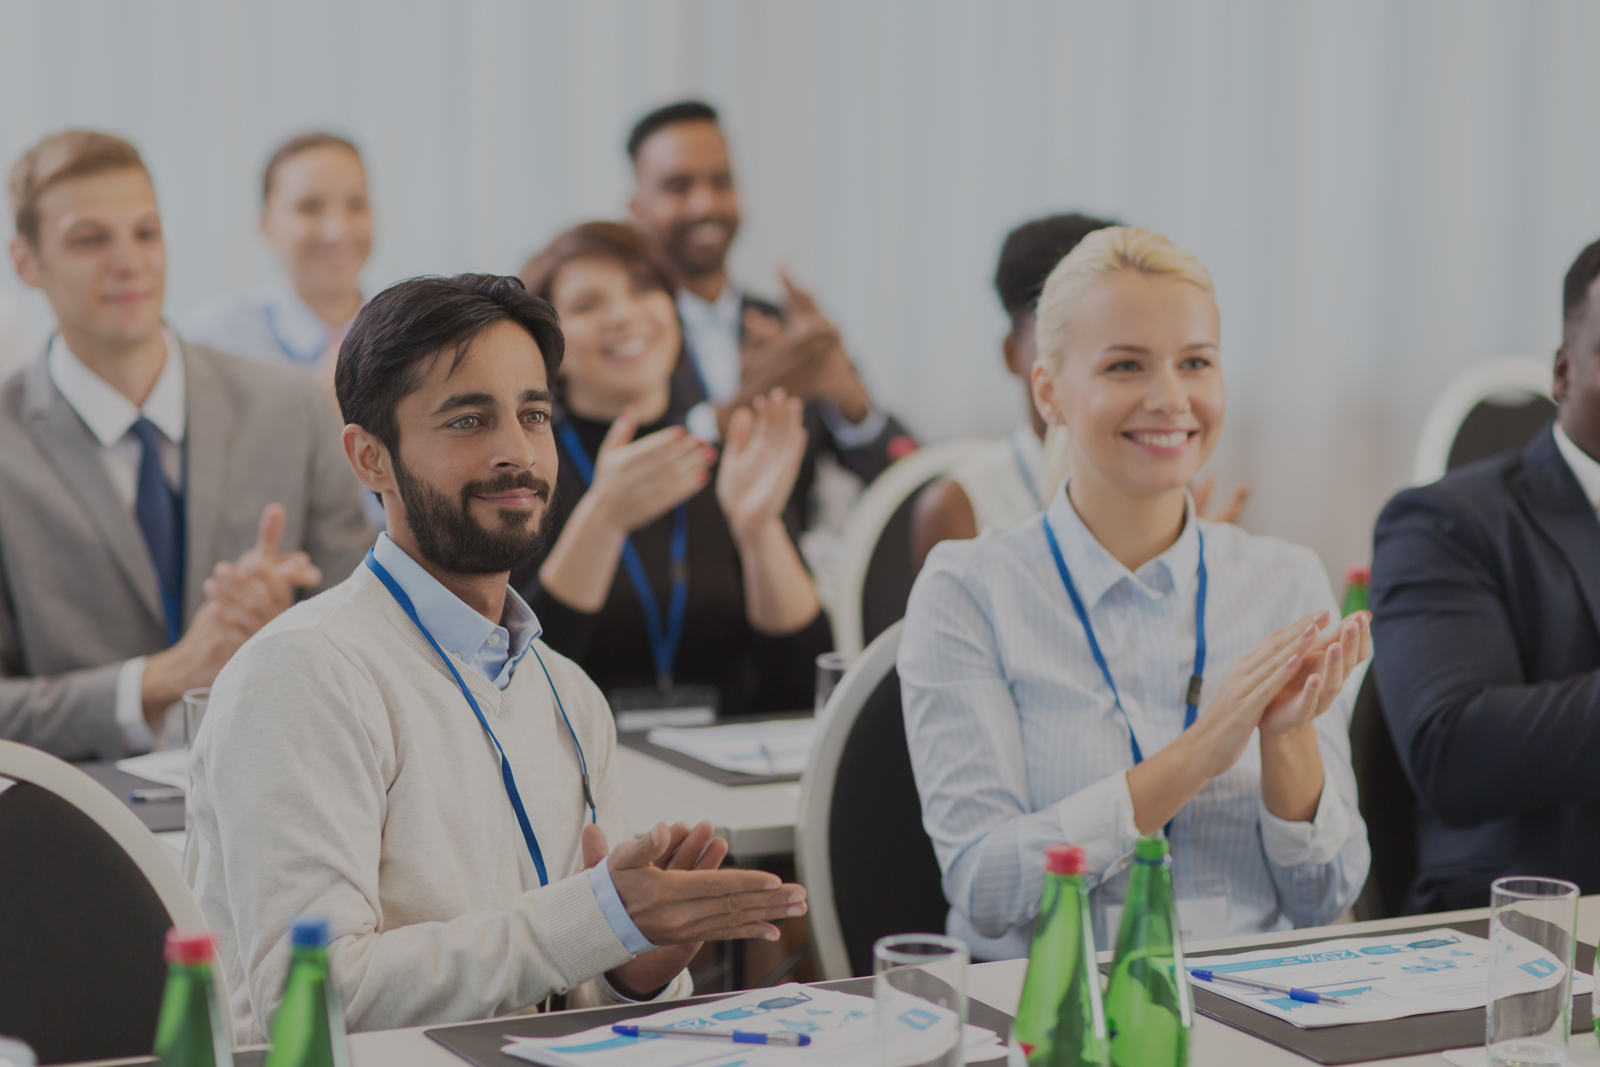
760, 461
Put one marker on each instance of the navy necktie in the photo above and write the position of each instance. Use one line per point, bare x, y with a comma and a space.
160, 514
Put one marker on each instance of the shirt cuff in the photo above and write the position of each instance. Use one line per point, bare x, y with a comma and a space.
849, 434
1099, 819
622, 998
136, 735
616, 913
701, 421
1295, 844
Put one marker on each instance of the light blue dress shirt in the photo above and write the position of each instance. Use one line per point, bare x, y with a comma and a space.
495, 652
273, 323
1017, 742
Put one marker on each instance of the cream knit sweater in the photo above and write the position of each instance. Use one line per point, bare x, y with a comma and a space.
339, 771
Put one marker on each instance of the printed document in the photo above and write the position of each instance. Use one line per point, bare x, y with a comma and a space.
774, 747
1384, 977
842, 1028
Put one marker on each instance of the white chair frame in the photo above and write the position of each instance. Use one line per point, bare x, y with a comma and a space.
858, 538
24, 764
1501, 374
813, 860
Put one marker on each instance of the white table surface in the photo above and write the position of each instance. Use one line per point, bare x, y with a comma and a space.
1000, 985
757, 820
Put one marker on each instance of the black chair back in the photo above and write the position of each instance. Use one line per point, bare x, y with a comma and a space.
1388, 806
81, 934
1499, 424
887, 585
885, 876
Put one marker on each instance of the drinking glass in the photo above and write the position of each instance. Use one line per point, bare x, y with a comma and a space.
194, 709
1532, 924
830, 668
920, 985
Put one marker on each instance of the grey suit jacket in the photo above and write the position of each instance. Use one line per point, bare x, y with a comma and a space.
78, 592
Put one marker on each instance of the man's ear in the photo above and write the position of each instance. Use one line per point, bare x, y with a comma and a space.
25, 258
1562, 376
633, 205
369, 459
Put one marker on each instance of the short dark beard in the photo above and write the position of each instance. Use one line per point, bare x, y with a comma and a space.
451, 539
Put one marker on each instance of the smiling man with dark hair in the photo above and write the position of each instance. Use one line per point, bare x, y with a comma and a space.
1486, 614
406, 757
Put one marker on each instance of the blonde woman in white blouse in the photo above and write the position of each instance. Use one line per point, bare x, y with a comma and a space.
1115, 666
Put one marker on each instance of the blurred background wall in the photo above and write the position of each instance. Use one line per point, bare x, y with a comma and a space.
1385, 192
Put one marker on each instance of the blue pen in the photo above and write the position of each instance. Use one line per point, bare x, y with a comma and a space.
742, 1036
1305, 996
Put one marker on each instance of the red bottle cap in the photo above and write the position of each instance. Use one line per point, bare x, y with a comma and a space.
190, 947
1066, 859
1357, 573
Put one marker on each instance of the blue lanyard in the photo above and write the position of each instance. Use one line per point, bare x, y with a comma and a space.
505, 763
1191, 706
303, 360
665, 635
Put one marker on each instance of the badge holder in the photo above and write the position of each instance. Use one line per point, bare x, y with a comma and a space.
646, 707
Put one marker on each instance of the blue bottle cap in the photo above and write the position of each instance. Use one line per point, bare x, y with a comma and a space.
310, 931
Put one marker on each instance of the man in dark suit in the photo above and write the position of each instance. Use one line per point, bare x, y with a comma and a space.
740, 346
1486, 620
159, 501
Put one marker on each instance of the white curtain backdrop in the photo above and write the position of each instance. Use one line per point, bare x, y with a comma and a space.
1385, 192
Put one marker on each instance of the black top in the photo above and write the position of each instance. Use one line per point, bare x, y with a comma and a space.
1486, 625
754, 672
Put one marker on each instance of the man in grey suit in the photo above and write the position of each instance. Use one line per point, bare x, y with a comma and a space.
159, 502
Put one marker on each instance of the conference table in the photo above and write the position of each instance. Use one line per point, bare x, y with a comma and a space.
758, 820
1000, 985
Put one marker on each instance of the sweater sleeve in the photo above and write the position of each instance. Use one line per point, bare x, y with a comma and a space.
299, 735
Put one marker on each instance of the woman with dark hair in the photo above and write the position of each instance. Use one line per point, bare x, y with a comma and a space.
664, 565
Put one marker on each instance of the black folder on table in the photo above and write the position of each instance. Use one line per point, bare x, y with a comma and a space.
1413, 1035
480, 1043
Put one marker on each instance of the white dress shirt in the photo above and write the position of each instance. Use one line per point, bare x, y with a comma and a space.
273, 323
1017, 742
1584, 467
711, 332
110, 417
1005, 482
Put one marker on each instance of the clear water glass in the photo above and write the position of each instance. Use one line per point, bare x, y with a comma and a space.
1532, 929
920, 985
195, 702
830, 668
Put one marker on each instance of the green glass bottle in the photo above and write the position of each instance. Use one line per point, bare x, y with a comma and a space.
191, 1030
308, 1030
1147, 1003
1356, 580
1060, 1022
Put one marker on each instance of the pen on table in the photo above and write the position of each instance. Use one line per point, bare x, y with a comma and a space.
772, 764
153, 795
744, 1037
1305, 996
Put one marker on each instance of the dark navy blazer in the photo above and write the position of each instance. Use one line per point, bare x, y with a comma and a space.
1486, 624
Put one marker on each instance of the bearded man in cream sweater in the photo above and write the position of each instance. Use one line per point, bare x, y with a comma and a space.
403, 755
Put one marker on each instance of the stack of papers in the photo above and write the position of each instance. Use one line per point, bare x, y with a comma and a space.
842, 1028
775, 747
1385, 977
169, 767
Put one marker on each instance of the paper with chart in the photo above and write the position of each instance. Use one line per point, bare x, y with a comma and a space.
1382, 977
841, 1027
775, 747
